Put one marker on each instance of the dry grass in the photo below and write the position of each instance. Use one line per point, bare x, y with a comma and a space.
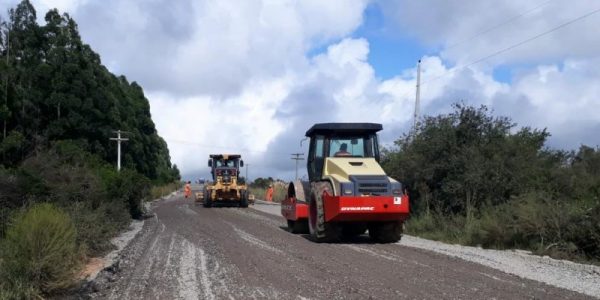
279, 192
163, 190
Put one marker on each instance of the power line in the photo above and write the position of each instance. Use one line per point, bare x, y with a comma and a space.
508, 21
211, 146
203, 145
513, 46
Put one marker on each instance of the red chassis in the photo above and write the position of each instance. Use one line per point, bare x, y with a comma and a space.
294, 210
351, 208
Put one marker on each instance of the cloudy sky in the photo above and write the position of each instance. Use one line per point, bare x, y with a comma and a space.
251, 76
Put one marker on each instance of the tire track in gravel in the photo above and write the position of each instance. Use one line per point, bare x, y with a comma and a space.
187, 280
192, 252
150, 268
432, 279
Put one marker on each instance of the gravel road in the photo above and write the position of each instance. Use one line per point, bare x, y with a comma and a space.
189, 252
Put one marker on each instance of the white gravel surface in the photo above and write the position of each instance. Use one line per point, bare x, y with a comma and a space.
268, 207
560, 273
123, 240
119, 242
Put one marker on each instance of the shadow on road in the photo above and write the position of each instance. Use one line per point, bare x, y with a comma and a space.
361, 239
219, 205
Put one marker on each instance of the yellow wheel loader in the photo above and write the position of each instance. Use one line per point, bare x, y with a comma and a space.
226, 187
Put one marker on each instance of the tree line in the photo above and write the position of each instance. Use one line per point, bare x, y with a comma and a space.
479, 179
54, 88
61, 197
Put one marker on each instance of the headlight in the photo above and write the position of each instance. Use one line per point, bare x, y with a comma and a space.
347, 188
396, 188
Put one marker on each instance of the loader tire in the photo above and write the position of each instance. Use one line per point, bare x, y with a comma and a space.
243, 198
207, 201
321, 231
386, 232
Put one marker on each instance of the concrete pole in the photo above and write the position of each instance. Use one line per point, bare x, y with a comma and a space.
247, 180
297, 158
417, 97
119, 140
119, 152
6, 81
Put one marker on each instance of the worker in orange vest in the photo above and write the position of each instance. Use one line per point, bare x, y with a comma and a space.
188, 189
269, 195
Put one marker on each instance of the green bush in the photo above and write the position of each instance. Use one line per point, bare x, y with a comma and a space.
436, 226
477, 179
561, 229
494, 229
77, 182
97, 225
39, 253
131, 188
421, 225
99, 200
583, 231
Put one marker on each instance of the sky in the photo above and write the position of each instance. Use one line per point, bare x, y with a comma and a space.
252, 76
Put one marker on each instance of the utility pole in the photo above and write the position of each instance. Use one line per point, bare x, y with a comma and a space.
247, 181
6, 81
417, 98
119, 139
297, 158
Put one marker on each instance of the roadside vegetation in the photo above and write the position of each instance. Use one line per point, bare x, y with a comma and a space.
480, 180
39, 252
160, 191
259, 187
61, 197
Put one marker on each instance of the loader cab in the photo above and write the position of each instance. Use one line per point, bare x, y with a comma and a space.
346, 140
226, 166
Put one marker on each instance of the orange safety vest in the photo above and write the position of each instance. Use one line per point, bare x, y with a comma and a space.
269, 196
188, 190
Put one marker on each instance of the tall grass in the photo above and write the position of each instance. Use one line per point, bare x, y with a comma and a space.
279, 192
536, 222
164, 190
38, 254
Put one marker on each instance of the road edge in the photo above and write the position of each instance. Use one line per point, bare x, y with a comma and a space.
544, 269
121, 241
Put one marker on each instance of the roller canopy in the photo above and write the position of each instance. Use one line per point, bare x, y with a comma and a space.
225, 156
343, 128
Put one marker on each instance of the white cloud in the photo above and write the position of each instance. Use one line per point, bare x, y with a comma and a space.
212, 47
231, 76
553, 80
268, 119
198, 126
563, 97
446, 23
42, 6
